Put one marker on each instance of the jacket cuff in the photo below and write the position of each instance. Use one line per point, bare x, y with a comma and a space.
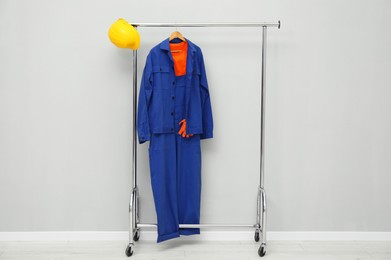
143, 133
142, 139
207, 134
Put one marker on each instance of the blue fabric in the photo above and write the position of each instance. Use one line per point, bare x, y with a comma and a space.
175, 164
158, 94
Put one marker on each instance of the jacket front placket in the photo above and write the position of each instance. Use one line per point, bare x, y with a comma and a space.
189, 75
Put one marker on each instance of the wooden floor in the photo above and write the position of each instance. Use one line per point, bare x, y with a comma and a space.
204, 250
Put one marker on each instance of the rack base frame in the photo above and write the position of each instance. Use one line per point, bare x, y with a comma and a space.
260, 226
259, 234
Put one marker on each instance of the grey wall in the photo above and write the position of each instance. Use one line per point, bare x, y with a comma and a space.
66, 105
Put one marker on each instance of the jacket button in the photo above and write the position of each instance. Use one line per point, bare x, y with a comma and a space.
172, 113
173, 97
173, 83
172, 129
160, 69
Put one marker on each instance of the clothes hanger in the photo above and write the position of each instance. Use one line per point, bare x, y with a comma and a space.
177, 34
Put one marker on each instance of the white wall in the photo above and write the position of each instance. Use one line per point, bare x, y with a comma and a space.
66, 106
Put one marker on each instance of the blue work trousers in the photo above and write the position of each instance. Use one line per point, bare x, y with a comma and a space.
175, 166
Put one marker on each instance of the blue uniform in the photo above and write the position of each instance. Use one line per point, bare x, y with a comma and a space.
175, 162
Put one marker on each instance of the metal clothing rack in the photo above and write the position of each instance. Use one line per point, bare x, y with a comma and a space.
260, 226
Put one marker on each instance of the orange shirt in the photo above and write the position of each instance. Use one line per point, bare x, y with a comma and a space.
179, 55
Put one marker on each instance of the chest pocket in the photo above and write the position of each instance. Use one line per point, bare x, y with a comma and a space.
161, 77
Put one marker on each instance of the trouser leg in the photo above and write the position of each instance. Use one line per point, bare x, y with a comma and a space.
189, 182
162, 153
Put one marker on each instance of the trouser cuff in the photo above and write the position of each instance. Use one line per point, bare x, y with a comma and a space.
162, 238
189, 231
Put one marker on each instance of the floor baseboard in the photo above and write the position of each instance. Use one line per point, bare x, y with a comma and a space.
205, 236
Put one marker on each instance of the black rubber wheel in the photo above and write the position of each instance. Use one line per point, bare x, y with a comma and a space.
129, 251
136, 236
256, 236
261, 251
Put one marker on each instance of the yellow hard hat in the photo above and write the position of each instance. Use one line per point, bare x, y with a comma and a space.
124, 35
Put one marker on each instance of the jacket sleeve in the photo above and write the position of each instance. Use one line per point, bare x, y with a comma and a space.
207, 119
143, 127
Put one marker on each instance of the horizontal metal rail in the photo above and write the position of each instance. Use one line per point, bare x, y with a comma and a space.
277, 24
145, 225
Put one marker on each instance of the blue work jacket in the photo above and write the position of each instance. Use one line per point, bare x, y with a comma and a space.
157, 92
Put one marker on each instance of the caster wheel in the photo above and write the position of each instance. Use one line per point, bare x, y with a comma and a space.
256, 236
136, 236
129, 251
261, 251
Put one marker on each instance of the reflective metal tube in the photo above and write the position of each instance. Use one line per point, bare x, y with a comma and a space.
277, 24
134, 121
263, 94
262, 148
151, 225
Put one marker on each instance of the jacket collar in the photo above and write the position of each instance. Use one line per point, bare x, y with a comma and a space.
165, 45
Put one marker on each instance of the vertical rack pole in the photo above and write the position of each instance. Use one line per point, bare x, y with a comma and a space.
134, 150
263, 92
261, 192
134, 159
133, 207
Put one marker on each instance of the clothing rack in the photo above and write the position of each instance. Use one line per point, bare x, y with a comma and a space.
260, 226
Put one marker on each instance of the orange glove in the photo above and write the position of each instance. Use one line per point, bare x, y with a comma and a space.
182, 131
